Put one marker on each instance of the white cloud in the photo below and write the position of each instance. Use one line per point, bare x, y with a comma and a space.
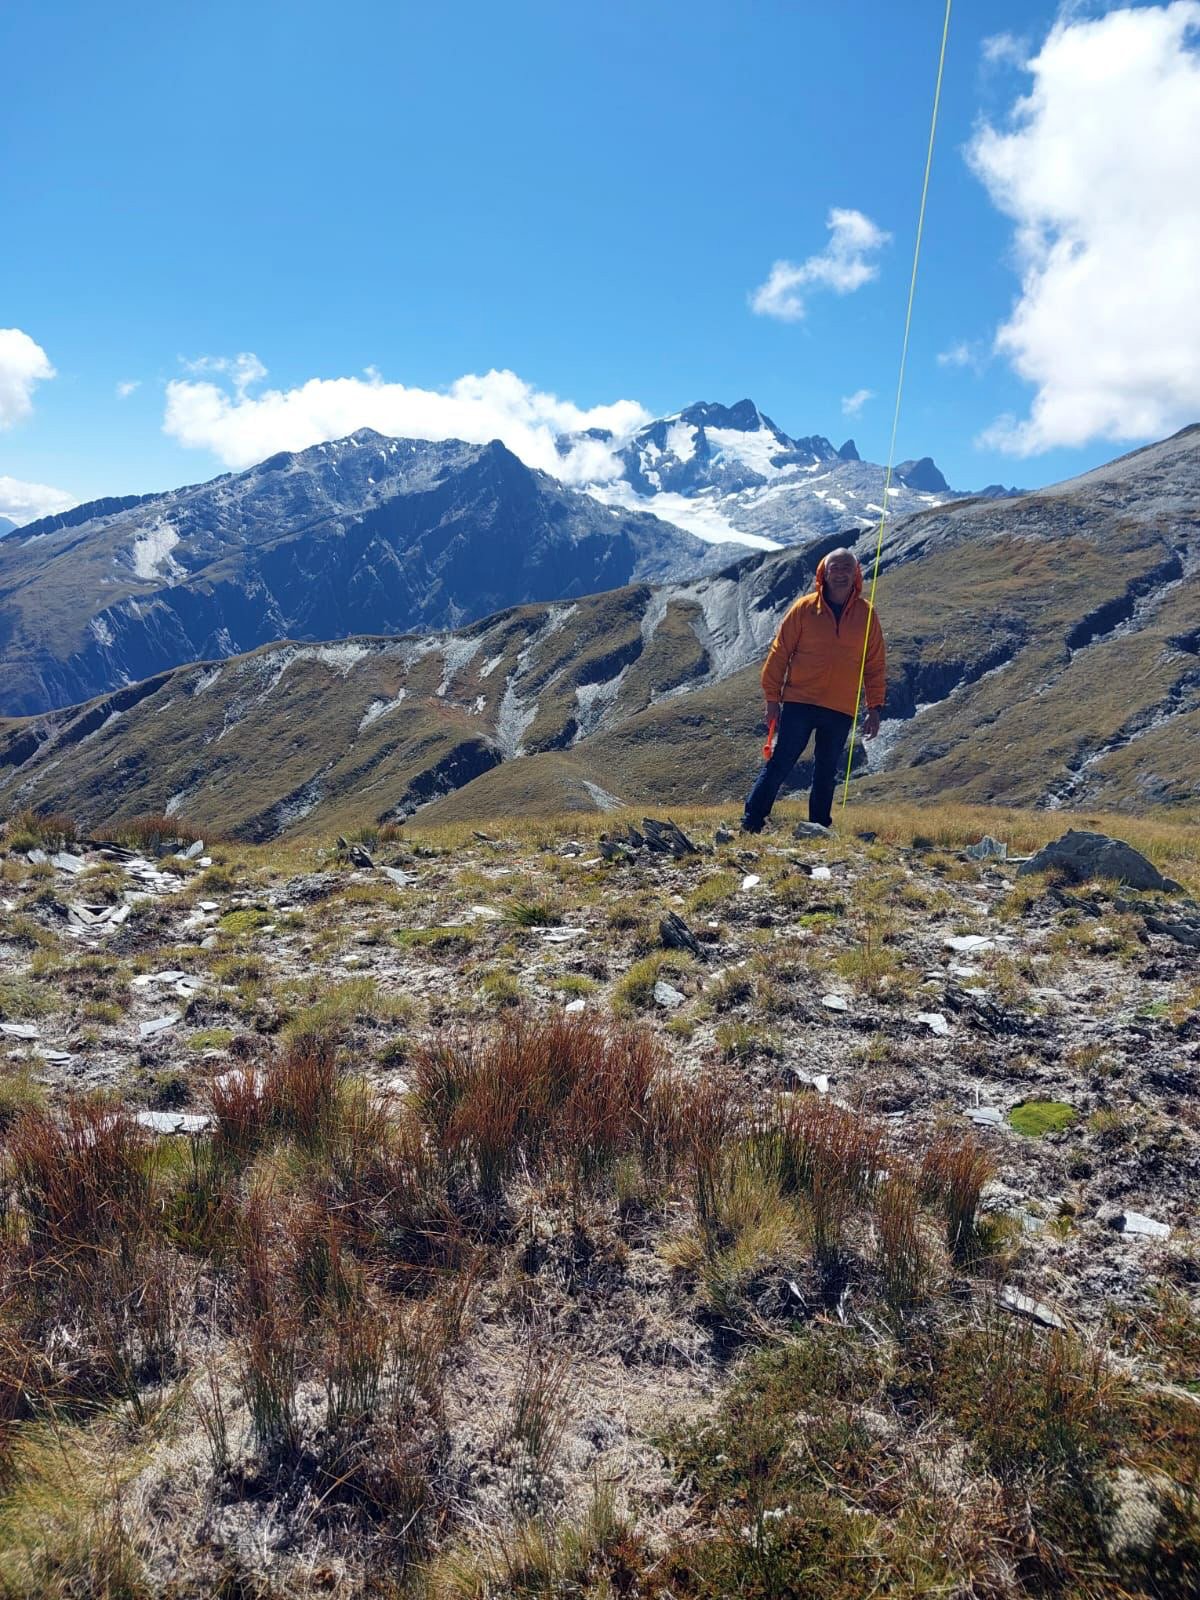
842, 266
125, 389
852, 404
241, 428
25, 502
1005, 49
963, 353
1097, 168
22, 364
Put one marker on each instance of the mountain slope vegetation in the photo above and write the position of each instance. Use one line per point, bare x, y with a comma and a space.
1042, 651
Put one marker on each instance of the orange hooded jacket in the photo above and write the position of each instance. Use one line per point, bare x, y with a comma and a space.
816, 656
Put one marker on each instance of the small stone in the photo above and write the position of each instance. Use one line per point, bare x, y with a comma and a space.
208, 905
118, 916
667, 996
935, 1022
576, 1006
835, 1002
571, 847
751, 880
821, 874
196, 848
957, 970
158, 1024
171, 1122
970, 943
210, 942
1013, 1300
398, 877
821, 1083
66, 862
987, 849
36, 857
676, 935
809, 830
19, 1030
723, 836
484, 913
56, 1058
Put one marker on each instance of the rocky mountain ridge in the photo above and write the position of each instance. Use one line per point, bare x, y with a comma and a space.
360, 534
1042, 651
730, 471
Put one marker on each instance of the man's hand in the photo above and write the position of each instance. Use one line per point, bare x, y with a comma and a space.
773, 709
871, 725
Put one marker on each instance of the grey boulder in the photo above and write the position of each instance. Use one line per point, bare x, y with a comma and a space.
1094, 855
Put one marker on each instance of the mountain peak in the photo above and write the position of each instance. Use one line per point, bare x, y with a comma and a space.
922, 475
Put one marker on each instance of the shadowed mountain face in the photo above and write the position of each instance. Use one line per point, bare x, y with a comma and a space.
364, 534
1042, 651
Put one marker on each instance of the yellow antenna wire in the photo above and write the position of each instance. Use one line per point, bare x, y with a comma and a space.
887, 482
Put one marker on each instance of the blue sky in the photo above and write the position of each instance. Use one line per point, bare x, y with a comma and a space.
586, 197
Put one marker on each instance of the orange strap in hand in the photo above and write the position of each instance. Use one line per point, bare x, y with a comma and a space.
769, 746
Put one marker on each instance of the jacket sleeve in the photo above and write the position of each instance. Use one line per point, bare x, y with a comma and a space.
876, 668
780, 654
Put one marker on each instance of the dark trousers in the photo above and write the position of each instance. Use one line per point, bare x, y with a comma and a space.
796, 723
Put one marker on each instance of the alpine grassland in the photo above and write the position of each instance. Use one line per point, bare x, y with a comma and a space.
511, 1208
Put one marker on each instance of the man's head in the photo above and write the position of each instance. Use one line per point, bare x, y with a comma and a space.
839, 575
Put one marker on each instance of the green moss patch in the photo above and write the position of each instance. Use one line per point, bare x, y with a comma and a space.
1036, 1118
245, 920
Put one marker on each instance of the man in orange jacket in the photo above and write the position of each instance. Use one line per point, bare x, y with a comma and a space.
810, 684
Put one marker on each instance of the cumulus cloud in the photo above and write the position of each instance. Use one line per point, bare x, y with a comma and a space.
126, 388
241, 428
843, 266
1096, 166
852, 404
22, 364
25, 502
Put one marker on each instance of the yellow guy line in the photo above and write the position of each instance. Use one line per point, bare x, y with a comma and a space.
887, 483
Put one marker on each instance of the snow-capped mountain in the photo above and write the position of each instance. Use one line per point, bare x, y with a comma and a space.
730, 473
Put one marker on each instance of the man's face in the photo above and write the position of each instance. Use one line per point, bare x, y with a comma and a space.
839, 578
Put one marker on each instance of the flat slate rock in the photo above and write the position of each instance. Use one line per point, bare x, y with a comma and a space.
1148, 1227
971, 943
36, 857
1025, 1306
158, 1024
1082, 855
985, 1116
668, 996
65, 862
935, 1022
174, 1121
835, 1002
19, 1030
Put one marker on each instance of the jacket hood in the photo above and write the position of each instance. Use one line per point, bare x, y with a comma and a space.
819, 581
